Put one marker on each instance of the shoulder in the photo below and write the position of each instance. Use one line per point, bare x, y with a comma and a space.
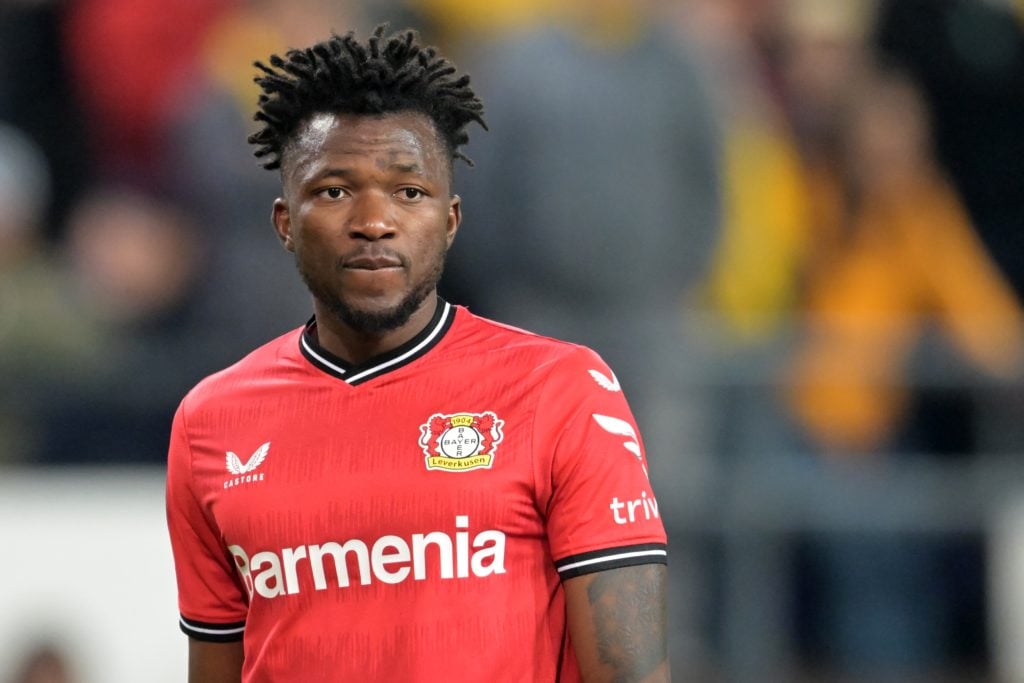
493, 334
509, 346
254, 369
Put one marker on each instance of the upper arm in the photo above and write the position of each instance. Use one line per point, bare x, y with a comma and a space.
214, 662
212, 600
617, 624
591, 480
604, 529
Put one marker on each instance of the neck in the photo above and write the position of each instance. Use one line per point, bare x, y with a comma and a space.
357, 346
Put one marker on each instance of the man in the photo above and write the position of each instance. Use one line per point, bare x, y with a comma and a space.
400, 490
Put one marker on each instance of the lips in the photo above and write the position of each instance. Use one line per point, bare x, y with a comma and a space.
372, 262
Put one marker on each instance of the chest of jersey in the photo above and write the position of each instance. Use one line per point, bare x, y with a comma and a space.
426, 476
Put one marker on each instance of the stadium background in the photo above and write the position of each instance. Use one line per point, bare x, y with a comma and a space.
793, 227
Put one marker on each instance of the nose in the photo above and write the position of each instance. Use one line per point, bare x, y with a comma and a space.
371, 217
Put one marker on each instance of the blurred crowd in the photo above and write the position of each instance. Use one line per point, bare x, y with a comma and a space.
792, 227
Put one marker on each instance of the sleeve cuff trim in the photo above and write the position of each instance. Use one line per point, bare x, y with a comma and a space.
212, 632
612, 558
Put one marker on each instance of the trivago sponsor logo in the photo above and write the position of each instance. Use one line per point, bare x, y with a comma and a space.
629, 511
389, 559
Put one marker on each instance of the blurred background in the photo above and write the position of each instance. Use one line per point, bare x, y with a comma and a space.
792, 227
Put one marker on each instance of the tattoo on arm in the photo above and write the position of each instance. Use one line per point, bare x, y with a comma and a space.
630, 617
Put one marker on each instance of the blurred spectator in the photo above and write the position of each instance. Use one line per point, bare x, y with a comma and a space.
894, 276
137, 264
45, 664
131, 61
597, 190
742, 312
44, 339
37, 97
840, 211
783, 69
824, 49
968, 57
135, 259
906, 260
753, 285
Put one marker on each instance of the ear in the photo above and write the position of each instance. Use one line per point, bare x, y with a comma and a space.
454, 218
283, 223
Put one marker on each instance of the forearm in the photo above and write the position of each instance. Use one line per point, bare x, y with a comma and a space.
214, 662
618, 624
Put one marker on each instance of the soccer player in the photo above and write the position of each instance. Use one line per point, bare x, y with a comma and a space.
400, 490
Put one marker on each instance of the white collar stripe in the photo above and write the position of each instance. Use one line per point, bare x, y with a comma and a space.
414, 350
311, 351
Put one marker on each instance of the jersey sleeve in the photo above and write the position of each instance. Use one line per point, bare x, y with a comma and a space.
600, 508
211, 601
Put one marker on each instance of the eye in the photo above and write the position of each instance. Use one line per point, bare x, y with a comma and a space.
332, 192
411, 193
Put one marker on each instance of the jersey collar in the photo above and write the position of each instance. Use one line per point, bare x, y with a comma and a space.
354, 374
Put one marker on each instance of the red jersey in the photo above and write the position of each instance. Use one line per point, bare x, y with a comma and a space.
410, 518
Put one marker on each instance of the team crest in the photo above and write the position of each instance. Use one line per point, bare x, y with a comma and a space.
460, 442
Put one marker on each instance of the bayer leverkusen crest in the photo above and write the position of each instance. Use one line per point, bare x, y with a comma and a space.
460, 442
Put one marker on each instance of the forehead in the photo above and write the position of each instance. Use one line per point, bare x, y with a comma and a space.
404, 138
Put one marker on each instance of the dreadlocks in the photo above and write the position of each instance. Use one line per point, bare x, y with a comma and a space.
342, 75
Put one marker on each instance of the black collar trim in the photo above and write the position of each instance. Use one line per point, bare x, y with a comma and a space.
419, 345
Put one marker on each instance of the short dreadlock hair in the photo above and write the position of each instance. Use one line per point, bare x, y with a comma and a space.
342, 75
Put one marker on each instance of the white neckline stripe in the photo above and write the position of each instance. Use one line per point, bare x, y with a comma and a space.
612, 558
414, 350
446, 312
312, 352
212, 631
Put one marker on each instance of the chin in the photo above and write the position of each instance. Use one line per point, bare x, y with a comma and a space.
376, 316
373, 311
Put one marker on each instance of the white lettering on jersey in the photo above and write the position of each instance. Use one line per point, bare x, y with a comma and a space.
626, 512
605, 383
622, 428
389, 559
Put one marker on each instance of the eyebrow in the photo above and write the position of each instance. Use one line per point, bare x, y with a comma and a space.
330, 171
411, 167
343, 172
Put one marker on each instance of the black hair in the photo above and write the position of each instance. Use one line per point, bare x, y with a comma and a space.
343, 75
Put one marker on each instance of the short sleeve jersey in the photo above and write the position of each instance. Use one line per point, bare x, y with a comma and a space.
408, 519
